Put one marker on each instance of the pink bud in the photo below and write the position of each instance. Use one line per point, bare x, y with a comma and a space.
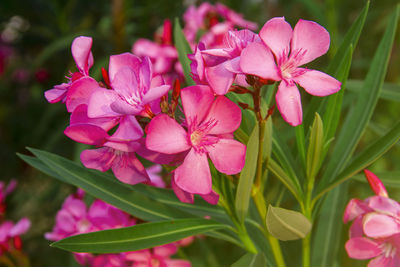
375, 184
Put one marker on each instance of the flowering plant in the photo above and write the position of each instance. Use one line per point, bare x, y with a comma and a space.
204, 109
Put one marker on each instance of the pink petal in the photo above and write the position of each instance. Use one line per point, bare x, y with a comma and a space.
257, 59
383, 261
311, 39
81, 53
194, 174
356, 229
66, 222
128, 130
20, 227
100, 104
384, 205
375, 183
276, 34
79, 116
139, 256
227, 155
80, 92
155, 157
219, 52
56, 94
128, 169
121, 107
123, 60
226, 114
378, 225
317, 83
362, 248
219, 78
289, 103
165, 250
99, 159
355, 208
123, 146
196, 101
211, 198
155, 93
75, 207
177, 263
86, 134
182, 195
165, 135
145, 73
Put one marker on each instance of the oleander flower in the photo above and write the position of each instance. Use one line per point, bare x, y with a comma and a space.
375, 232
279, 57
209, 126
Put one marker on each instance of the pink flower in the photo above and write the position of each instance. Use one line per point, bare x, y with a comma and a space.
375, 232
210, 124
279, 56
10, 234
81, 52
156, 257
223, 64
133, 86
235, 18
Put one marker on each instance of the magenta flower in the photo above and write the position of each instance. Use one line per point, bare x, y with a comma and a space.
375, 232
223, 64
156, 257
235, 18
81, 52
278, 58
10, 232
133, 86
210, 124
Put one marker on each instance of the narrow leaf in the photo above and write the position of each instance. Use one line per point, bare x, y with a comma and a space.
251, 260
136, 237
315, 148
390, 91
183, 48
286, 224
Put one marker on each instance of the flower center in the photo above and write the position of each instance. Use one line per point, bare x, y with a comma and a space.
388, 249
83, 225
195, 137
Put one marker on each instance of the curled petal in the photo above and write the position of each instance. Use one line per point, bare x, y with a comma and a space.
165, 135
379, 225
317, 83
289, 103
362, 248
311, 39
194, 176
57, 94
257, 59
228, 156
81, 53
276, 34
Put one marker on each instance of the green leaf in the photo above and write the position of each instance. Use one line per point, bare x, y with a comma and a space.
390, 91
141, 236
110, 190
351, 38
246, 179
183, 48
286, 224
361, 113
251, 260
301, 143
315, 148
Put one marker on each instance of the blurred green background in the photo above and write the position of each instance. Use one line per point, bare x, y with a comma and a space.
35, 51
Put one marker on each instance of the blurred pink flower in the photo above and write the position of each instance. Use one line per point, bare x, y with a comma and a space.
210, 124
278, 58
10, 234
375, 232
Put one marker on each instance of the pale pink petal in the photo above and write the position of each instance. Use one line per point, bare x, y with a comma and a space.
219, 52
211, 198
144, 47
122, 107
384, 205
165, 135
378, 225
289, 103
123, 146
317, 83
66, 222
311, 39
128, 169
356, 229
194, 174
182, 195
80, 92
227, 155
355, 208
375, 183
165, 250
219, 78
155, 93
362, 248
76, 207
139, 256
123, 60
196, 101
99, 159
86, 134
20, 227
382, 261
276, 34
128, 130
5, 228
80, 49
177, 263
257, 59
233, 65
100, 104
56, 94
145, 73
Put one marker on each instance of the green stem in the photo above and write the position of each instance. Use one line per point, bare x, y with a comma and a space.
306, 251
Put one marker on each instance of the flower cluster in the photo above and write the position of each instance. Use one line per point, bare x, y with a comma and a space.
76, 218
9, 232
375, 231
